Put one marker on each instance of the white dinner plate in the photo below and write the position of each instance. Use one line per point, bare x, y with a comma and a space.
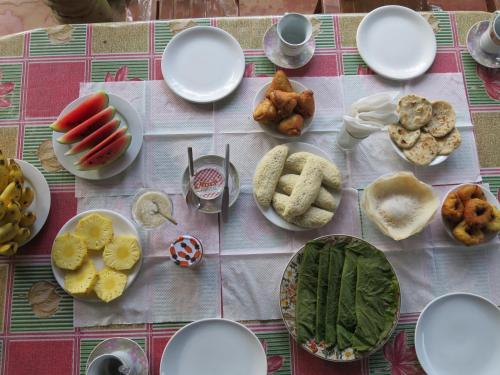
449, 227
121, 226
41, 202
214, 347
459, 334
396, 42
128, 116
272, 215
271, 128
203, 64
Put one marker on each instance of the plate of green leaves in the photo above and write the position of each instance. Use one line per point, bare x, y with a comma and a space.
340, 298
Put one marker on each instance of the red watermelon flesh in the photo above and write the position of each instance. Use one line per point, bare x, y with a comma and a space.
110, 139
94, 138
93, 104
88, 126
108, 154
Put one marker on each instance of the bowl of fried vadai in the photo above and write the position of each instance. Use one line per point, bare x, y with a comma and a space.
471, 214
284, 108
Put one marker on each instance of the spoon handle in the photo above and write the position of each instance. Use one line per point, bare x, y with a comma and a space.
190, 158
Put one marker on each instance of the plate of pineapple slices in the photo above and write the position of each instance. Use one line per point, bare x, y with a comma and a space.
24, 203
96, 255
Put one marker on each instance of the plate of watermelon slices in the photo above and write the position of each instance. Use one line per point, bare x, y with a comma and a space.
97, 136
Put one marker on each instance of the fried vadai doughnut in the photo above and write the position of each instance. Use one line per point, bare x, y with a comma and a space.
468, 234
494, 224
470, 191
477, 212
453, 208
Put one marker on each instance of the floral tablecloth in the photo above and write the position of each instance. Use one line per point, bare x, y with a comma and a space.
41, 71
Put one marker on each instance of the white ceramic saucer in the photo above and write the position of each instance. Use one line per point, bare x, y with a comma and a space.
214, 347
203, 64
481, 57
396, 42
459, 334
271, 43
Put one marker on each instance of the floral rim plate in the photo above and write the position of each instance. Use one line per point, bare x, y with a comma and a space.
287, 308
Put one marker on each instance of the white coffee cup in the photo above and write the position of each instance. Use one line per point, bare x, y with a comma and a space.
490, 40
294, 31
111, 364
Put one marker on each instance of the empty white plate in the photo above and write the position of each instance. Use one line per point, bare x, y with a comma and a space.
203, 64
396, 42
459, 334
214, 347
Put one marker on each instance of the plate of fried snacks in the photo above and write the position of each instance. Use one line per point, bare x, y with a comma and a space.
340, 298
426, 132
284, 108
297, 187
400, 205
471, 214
96, 255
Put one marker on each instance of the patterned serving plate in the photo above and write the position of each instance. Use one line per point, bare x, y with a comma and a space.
288, 289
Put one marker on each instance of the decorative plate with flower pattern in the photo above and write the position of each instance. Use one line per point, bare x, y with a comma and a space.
288, 289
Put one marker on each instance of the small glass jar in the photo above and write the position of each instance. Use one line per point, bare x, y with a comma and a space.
151, 207
186, 251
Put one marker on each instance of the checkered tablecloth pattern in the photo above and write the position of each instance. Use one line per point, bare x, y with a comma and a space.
41, 71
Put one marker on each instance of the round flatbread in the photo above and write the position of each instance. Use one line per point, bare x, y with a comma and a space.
450, 142
424, 151
443, 119
414, 111
404, 138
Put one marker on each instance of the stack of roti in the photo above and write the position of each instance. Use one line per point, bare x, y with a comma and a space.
297, 186
425, 130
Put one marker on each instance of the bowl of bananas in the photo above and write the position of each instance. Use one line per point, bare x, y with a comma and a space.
24, 203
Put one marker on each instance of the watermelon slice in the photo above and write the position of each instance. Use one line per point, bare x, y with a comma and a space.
88, 126
110, 139
107, 154
94, 138
93, 104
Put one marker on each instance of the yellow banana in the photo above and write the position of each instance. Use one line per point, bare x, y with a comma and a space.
15, 172
3, 209
12, 214
8, 249
27, 219
27, 196
12, 192
22, 235
4, 176
8, 232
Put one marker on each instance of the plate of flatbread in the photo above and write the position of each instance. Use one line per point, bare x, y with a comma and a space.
297, 187
426, 133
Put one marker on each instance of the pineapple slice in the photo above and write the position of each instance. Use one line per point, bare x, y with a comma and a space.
96, 230
122, 253
110, 284
69, 251
81, 281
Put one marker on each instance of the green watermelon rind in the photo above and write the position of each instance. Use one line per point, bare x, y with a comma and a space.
108, 140
63, 124
95, 137
122, 148
78, 133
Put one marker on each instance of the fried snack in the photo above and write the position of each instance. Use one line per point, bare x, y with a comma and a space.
305, 104
306, 189
268, 173
280, 82
470, 191
265, 111
468, 234
477, 212
285, 102
494, 224
453, 208
292, 125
